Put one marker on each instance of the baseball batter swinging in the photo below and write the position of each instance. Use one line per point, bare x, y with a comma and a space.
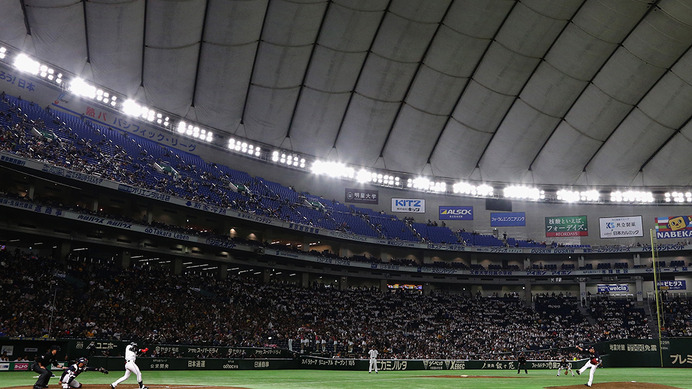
130, 366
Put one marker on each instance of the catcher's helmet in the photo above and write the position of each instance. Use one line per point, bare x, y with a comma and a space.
83, 360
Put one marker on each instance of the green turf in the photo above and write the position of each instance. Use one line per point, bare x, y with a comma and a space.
318, 379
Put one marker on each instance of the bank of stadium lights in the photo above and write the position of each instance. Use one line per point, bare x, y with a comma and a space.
465, 188
79, 87
244, 147
24, 63
3, 52
678, 197
132, 108
288, 159
574, 196
522, 192
425, 184
194, 131
631, 196
365, 176
333, 169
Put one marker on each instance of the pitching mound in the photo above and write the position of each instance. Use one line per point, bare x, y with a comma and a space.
135, 386
617, 385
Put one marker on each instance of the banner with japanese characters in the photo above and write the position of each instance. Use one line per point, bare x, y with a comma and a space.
674, 227
362, 196
621, 227
562, 226
672, 285
507, 219
408, 205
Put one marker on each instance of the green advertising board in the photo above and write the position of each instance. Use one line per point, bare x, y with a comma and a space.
564, 226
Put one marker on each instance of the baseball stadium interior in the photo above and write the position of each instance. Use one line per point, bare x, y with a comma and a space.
440, 181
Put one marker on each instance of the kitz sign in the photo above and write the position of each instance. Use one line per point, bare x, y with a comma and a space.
408, 205
456, 213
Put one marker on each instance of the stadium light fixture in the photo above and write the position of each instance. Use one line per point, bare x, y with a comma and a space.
465, 188
23, 63
332, 169
82, 88
678, 197
631, 196
574, 196
522, 192
425, 184
3, 52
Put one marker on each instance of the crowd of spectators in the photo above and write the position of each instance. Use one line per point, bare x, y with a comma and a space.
620, 318
77, 299
677, 315
29, 131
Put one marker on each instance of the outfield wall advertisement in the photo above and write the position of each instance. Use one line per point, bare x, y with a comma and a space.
674, 227
456, 213
564, 226
507, 219
408, 205
621, 227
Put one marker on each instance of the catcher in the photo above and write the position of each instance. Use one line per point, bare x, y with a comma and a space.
68, 378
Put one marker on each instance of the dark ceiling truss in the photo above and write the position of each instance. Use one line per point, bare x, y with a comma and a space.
586, 86
653, 7
526, 82
254, 64
26, 17
199, 54
468, 81
144, 41
413, 79
86, 31
360, 73
677, 130
307, 68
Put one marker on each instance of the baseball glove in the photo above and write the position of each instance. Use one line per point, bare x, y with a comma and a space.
102, 370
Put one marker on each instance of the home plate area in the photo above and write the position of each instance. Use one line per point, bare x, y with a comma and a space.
135, 386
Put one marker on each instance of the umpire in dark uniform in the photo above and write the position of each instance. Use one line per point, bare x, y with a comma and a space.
521, 361
42, 367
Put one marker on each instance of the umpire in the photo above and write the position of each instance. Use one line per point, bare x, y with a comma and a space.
42, 367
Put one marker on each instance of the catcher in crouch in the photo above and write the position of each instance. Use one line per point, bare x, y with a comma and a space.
69, 376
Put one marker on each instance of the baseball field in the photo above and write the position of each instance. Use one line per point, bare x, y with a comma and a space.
620, 378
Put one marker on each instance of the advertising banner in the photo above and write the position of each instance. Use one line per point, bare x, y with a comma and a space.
674, 227
613, 288
456, 213
672, 285
408, 205
362, 196
560, 226
620, 227
507, 219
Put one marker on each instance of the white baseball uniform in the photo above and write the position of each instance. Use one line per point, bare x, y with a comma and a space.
130, 366
373, 360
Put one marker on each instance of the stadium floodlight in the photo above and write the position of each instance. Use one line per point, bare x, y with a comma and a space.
425, 184
573, 196
523, 192
631, 196
23, 63
131, 108
3, 52
363, 176
465, 188
82, 88
332, 169
678, 197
